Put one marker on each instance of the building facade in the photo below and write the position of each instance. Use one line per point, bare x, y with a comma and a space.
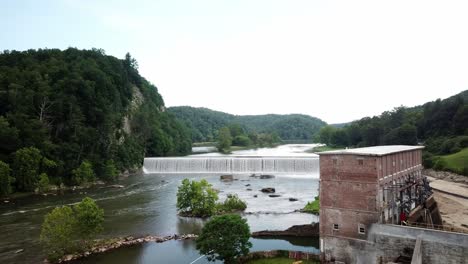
363, 186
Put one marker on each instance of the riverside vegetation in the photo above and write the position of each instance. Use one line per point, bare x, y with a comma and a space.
73, 116
199, 199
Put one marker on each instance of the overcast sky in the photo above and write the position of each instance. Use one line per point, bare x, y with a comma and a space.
336, 60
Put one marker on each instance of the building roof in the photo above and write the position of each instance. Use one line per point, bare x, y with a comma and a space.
372, 151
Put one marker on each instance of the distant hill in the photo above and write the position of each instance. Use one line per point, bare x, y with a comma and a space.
205, 123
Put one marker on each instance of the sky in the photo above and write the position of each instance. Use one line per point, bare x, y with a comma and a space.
335, 60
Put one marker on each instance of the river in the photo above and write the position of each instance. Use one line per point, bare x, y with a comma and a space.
146, 205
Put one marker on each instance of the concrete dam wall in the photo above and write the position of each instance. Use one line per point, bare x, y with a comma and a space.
232, 164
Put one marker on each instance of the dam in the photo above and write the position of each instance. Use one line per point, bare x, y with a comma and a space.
232, 165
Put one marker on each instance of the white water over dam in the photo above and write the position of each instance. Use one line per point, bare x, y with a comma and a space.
232, 165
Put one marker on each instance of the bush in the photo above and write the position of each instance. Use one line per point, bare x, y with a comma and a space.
196, 198
224, 238
110, 171
313, 207
427, 160
83, 174
67, 230
440, 164
43, 185
5, 179
231, 204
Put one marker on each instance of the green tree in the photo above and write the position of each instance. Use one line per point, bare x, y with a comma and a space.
196, 198
43, 185
224, 139
67, 230
26, 168
58, 233
5, 179
84, 173
224, 238
89, 218
110, 171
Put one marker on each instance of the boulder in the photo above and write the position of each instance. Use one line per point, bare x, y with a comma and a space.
247, 185
268, 190
266, 176
274, 195
293, 199
255, 196
226, 177
249, 189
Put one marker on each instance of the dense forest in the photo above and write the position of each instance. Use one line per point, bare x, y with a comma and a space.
68, 116
441, 125
206, 123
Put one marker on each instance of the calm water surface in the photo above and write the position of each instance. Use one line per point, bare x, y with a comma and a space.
147, 205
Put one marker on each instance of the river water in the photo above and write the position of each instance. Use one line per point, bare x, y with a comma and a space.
147, 205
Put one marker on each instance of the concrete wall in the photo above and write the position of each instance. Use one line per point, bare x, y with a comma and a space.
385, 243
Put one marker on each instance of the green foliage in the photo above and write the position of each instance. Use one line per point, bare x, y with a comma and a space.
84, 173
5, 179
89, 218
241, 140
196, 198
224, 238
58, 233
67, 230
110, 171
205, 124
26, 168
456, 162
43, 185
76, 105
224, 140
313, 207
232, 204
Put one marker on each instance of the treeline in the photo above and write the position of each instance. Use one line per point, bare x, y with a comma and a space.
235, 135
76, 115
441, 125
205, 123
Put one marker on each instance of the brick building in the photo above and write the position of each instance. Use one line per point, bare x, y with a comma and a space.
363, 186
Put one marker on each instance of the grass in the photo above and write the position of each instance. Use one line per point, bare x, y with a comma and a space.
457, 162
313, 207
279, 261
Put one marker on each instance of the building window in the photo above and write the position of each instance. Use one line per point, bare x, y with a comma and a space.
335, 161
336, 227
361, 229
361, 162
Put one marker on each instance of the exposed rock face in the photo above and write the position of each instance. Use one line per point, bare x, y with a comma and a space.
268, 190
311, 230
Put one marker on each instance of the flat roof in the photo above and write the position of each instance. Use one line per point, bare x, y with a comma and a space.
372, 151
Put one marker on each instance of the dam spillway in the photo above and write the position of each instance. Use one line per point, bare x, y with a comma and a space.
232, 165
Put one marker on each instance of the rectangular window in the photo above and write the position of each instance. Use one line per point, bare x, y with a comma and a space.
336, 227
361, 229
361, 162
335, 161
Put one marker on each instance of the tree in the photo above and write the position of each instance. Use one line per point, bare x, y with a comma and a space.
89, 218
66, 230
5, 179
224, 238
196, 198
58, 233
110, 171
224, 139
26, 168
84, 173
43, 185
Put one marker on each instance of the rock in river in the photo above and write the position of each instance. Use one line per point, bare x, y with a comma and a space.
293, 199
266, 176
268, 190
226, 177
274, 195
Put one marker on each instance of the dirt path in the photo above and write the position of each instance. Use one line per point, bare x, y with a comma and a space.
453, 208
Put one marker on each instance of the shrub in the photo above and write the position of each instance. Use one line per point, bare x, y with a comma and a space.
84, 173
43, 185
231, 204
440, 164
196, 198
5, 179
313, 207
224, 238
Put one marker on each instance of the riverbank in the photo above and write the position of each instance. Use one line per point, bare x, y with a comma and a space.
309, 230
451, 194
106, 245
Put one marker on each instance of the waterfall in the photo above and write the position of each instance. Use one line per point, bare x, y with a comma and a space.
232, 164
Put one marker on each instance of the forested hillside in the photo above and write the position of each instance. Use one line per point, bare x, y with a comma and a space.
63, 113
441, 125
205, 123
